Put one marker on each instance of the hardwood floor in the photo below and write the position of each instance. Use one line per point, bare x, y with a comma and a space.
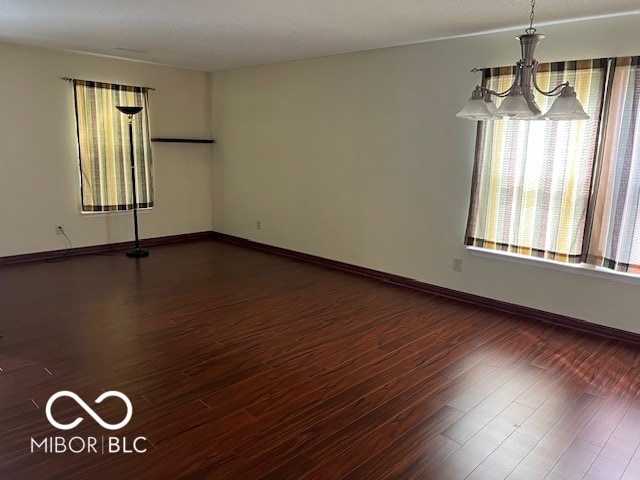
245, 365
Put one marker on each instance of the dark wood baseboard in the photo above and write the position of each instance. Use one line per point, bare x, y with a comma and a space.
511, 308
53, 255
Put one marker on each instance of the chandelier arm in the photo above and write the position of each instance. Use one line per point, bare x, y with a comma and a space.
552, 92
497, 94
516, 82
503, 94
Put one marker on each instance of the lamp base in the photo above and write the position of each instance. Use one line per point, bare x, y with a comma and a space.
137, 252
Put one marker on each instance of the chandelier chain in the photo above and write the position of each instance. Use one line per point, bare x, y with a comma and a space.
531, 17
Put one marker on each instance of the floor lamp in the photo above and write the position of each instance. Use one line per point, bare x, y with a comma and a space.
137, 251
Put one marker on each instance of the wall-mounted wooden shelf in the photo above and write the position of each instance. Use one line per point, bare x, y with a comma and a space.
182, 140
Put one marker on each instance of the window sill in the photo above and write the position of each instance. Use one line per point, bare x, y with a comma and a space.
580, 269
116, 212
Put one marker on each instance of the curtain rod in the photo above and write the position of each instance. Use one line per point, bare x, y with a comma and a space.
69, 79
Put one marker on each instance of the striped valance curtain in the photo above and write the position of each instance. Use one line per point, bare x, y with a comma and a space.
615, 237
103, 143
531, 180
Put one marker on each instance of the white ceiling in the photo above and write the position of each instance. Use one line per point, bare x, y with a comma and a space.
219, 34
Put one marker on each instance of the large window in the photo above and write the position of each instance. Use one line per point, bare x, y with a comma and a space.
564, 191
103, 143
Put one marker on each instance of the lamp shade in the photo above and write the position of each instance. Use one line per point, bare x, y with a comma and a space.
478, 107
129, 110
514, 105
475, 110
566, 107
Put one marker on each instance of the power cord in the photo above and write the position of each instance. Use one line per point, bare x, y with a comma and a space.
67, 253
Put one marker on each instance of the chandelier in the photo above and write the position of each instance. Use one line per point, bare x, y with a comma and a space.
519, 102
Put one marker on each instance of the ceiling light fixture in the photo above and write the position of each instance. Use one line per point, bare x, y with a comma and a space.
519, 102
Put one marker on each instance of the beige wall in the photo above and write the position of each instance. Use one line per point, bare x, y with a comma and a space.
39, 180
360, 158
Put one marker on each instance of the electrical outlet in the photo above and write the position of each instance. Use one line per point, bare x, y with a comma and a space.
457, 264
258, 224
59, 230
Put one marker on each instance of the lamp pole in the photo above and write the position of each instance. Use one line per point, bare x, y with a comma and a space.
137, 251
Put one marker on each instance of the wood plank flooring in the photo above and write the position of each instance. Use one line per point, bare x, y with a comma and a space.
245, 365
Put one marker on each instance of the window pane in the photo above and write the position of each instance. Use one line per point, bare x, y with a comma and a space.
532, 179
